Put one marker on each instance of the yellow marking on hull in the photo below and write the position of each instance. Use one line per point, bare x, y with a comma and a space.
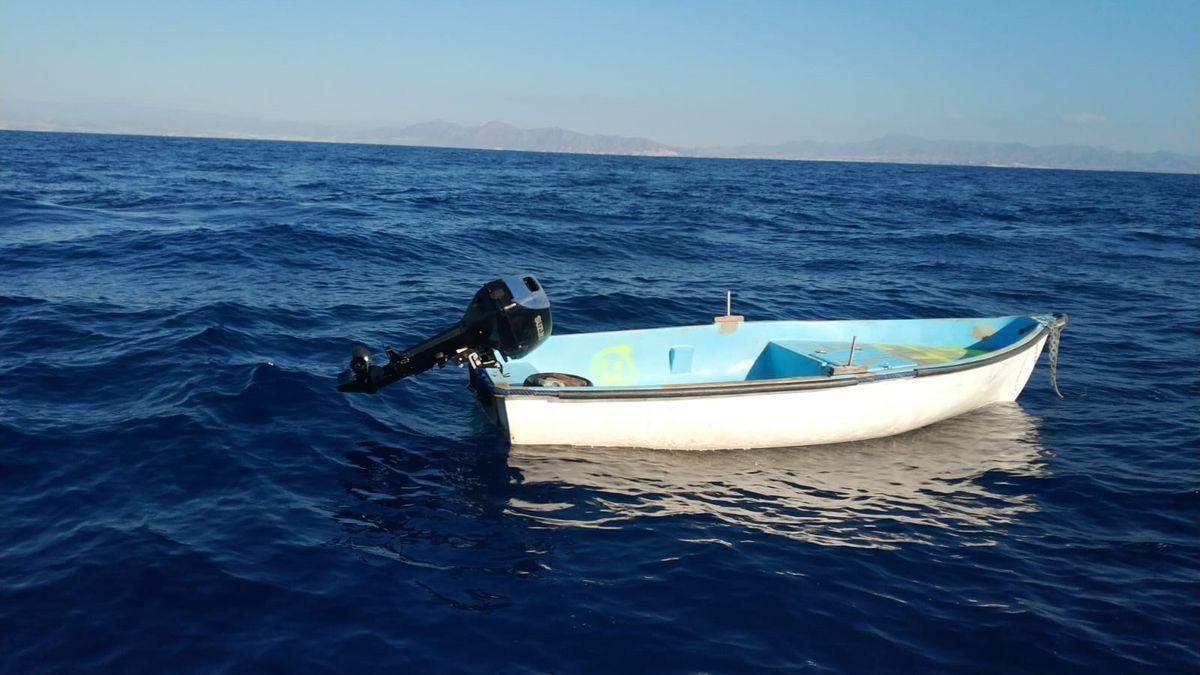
613, 366
929, 354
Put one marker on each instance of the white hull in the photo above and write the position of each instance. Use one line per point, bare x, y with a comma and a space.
766, 419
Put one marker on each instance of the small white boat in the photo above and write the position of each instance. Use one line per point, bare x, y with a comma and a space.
728, 384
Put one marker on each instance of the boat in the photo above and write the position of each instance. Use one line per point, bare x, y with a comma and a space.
730, 383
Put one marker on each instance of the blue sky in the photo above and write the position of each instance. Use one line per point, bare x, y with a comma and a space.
1124, 75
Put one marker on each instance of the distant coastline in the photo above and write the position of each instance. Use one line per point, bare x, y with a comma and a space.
889, 149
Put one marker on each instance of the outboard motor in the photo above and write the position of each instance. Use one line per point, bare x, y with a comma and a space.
509, 316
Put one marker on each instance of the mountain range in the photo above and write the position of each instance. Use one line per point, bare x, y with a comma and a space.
892, 148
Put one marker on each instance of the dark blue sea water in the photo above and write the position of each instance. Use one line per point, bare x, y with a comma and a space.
183, 490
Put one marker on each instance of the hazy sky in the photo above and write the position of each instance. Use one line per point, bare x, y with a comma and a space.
1125, 75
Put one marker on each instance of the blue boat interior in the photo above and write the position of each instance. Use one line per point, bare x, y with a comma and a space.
764, 350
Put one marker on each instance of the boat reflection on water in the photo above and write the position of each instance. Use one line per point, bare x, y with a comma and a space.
961, 477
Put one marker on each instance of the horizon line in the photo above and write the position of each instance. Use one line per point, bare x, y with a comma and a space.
266, 139
336, 128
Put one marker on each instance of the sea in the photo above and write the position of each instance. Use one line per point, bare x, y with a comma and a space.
183, 490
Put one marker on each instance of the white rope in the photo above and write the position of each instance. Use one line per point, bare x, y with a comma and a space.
1055, 333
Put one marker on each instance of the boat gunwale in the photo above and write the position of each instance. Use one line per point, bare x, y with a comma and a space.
741, 387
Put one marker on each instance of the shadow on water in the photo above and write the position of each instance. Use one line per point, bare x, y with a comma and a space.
440, 510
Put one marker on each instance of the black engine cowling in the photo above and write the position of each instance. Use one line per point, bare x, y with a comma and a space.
508, 316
